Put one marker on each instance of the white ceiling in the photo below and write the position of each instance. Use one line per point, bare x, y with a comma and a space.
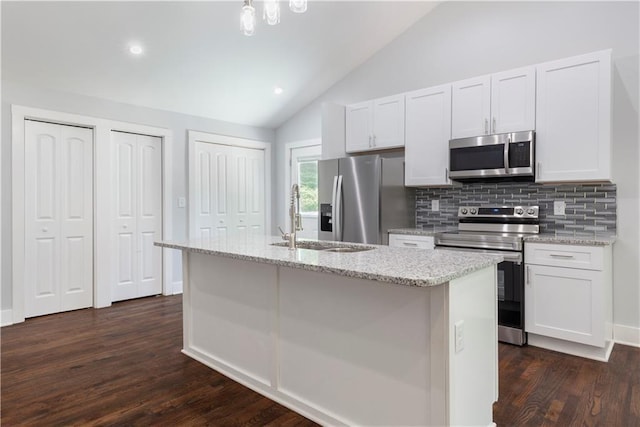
196, 60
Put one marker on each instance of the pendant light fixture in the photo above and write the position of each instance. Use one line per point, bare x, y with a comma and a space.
270, 13
248, 18
298, 6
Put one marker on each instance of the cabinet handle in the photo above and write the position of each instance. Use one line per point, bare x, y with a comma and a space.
528, 276
494, 125
409, 244
446, 174
561, 256
486, 126
538, 170
374, 140
369, 141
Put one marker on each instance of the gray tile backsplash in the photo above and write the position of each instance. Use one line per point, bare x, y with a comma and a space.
590, 208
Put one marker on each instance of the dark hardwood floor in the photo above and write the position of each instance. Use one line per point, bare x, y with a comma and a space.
122, 366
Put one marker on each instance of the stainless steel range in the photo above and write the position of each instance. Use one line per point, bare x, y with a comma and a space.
500, 230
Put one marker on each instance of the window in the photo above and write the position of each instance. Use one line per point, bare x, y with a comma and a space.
308, 182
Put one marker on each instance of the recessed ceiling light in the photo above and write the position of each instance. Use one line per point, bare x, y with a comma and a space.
277, 90
135, 49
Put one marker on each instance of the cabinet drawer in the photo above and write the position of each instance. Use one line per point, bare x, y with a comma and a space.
570, 256
408, 241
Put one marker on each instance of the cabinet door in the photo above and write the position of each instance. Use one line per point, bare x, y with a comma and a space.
471, 107
388, 122
573, 119
513, 100
428, 130
358, 127
565, 303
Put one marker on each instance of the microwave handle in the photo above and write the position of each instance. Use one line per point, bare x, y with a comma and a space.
506, 155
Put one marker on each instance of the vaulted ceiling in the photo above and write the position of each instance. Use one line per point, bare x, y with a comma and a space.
195, 59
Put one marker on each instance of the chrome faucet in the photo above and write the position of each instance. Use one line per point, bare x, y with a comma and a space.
294, 217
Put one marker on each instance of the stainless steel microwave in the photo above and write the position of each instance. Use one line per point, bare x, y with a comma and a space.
492, 156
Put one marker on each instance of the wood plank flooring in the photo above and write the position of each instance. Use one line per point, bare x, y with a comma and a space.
123, 366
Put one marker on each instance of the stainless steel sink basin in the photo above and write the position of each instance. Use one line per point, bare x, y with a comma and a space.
327, 247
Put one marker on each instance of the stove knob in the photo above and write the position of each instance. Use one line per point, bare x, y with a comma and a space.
473, 211
464, 211
519, 211
531, 211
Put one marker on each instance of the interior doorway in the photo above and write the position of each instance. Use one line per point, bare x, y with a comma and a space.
303, 170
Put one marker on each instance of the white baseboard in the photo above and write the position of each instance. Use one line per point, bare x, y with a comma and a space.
583, 350
626, 335
176, 287
6, 317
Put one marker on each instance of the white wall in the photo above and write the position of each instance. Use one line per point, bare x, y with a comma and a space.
13, 93
458, 40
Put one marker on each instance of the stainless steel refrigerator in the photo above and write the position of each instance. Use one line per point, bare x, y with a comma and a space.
362, 197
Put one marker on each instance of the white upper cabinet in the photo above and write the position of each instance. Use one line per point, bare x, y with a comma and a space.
471, 107
358, 126
573, 124
513, 100
497, 103
375, 125
428, 130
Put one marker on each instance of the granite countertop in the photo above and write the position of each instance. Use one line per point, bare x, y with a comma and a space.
602, 240
403, 266
422, 231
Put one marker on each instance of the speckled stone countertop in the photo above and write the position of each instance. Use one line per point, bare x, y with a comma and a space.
404, 266
420, 231
604, 240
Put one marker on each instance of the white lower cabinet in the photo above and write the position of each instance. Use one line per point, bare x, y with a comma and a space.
568, 298
410, 241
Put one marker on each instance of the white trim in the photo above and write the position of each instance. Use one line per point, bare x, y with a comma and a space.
102, 133
196, 136
626, 335
176, 287
576, 349
6, 318
287, 168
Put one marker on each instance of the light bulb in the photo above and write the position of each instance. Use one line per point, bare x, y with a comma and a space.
271, 12
298, 6
248, 18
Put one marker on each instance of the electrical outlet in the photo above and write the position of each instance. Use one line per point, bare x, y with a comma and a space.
182, 202
558, 207
458, 329
435, 205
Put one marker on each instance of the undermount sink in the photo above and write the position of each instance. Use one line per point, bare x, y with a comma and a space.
327, 247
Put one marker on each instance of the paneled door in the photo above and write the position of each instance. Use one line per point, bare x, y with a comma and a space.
229, 191
58, 218
137, 183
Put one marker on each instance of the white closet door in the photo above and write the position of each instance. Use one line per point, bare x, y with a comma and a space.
229, 191
138, 215
58, 218
248, 181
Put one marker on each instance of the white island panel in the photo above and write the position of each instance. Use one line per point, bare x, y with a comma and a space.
230, 316
356, 349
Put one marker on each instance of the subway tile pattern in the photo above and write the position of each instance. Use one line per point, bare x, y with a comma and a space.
590, 208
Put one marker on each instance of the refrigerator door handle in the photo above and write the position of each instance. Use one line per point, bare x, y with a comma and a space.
333, 208
337, 219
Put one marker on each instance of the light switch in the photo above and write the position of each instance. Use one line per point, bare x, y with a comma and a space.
435, 205
558, 207
182, 202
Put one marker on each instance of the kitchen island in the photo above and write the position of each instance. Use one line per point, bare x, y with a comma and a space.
386, 336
